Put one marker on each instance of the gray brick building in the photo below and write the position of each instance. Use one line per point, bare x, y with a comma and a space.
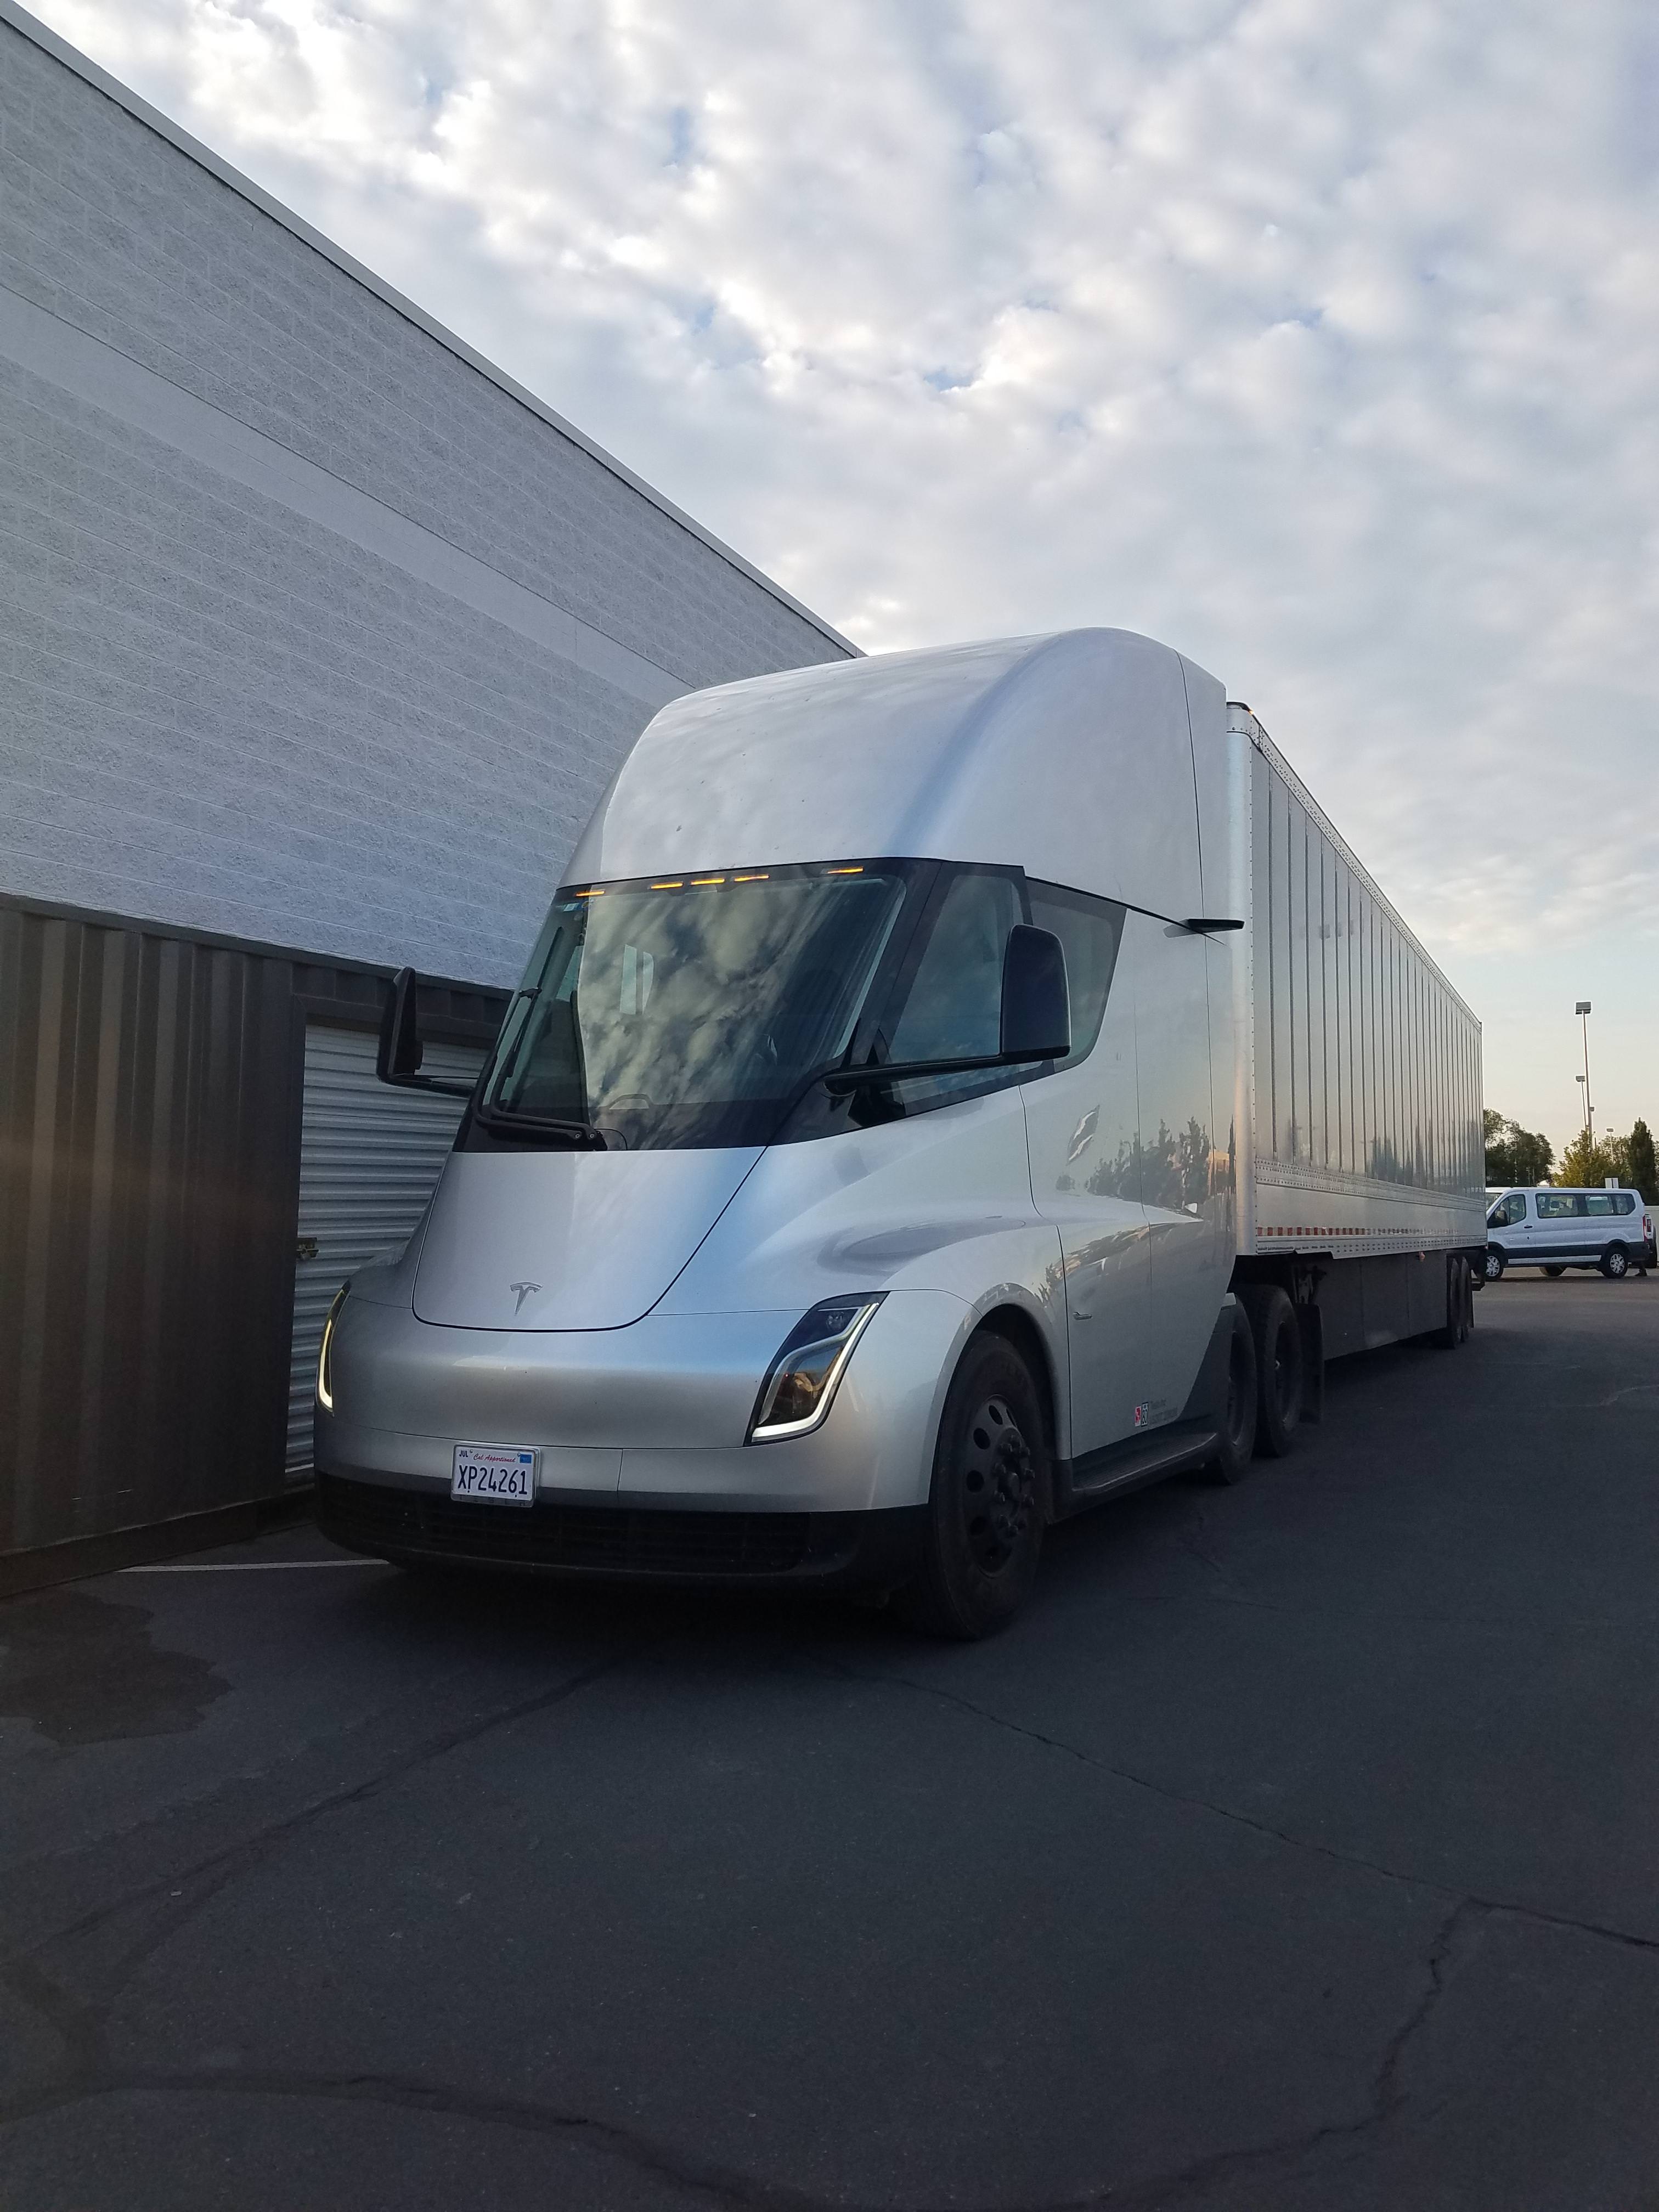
319, 639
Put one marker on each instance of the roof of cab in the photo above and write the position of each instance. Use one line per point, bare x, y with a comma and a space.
1069, 755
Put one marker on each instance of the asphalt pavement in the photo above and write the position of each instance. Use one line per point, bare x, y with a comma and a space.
1299, 1849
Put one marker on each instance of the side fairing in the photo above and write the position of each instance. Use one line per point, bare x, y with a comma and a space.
940, 1202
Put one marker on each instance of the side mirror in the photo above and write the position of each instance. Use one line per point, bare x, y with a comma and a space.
400, 1051
1036, 1003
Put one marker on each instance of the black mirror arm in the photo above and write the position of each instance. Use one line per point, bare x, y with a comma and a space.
838, 1080
430, 1083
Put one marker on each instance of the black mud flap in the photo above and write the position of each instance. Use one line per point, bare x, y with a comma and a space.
1311, 1323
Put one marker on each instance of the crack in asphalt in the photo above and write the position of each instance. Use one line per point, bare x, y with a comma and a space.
201, 1880
717, 2184
1188, 1802
88, 2071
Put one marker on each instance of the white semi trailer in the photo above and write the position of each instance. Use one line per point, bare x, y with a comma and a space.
948, 1089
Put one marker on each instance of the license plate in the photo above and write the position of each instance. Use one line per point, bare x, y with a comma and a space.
498, 1474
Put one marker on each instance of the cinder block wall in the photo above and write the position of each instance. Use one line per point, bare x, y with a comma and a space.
311, 630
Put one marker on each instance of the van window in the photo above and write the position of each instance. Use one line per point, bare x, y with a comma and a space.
1509, 1211
1599, 1202
1092, 930
1623, 1201
1560, 1205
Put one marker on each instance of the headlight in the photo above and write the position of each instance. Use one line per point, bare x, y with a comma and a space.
801, 1380
325, 1375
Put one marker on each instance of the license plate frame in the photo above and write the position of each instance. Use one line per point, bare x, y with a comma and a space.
496, 1474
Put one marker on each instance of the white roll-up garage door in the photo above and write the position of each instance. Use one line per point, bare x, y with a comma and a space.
370, 1156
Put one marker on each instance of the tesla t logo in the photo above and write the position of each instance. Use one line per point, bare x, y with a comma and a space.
522, 1291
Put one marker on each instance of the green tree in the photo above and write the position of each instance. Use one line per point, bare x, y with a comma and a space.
1584, 1164
1514, 1155
1644, 1170
1630, 1159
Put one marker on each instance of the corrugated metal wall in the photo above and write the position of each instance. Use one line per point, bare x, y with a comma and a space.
369, 1158
151, 1088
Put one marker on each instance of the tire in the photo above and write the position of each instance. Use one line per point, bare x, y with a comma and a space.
1238, 1419
1278, 1369
1615, 1263
988, 1499
1496, 1264
1459, 1305
1559, 1270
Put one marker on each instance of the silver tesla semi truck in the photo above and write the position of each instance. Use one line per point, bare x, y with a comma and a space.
949, 1088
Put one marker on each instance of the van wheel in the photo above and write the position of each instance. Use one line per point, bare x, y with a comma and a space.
1278, 1368
1496, 1264
988, 1498
1615, 1263
1238, 1418
1560, 1270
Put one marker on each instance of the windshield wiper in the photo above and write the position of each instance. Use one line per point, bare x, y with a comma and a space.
507, 1121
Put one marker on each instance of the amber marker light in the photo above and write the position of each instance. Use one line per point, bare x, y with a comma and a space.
843, 872
678, 886
752, 879
702, 882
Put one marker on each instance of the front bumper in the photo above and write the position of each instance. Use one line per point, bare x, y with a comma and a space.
601, 1541
650, 1416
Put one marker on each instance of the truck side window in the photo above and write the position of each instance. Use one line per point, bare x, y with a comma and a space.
1091, 929
953, 1010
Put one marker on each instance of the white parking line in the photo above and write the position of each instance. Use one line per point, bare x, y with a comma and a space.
248, 1566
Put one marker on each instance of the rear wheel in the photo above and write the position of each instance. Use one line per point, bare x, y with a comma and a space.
1496, 1264
1459, 1305
1278, 1368
1238, 1415
1615, 1263
986, 1507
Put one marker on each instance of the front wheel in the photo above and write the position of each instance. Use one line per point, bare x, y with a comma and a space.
988, 1499
1238, 1438
1615, 1263
1496, 1264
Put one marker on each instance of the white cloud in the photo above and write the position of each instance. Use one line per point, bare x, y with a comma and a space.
1317, 336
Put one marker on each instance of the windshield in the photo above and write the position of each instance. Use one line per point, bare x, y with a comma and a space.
689, 1010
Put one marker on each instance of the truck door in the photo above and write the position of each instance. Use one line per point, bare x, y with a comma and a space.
1189, 1256
1084, 1138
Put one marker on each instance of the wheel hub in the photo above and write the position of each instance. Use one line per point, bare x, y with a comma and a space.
999, 1485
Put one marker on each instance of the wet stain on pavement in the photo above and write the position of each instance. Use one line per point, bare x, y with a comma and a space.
83, 1670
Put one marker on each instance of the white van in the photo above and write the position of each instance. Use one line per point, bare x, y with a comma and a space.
948, 1089
1555, 1229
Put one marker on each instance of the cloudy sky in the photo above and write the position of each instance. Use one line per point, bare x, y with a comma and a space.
1317, 338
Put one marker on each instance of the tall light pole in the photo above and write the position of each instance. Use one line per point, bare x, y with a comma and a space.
1583, 1011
